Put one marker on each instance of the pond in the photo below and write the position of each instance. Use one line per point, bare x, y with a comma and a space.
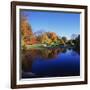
55, 62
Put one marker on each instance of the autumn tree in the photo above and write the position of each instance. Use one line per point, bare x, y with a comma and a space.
52, 36
45, 39
27, 36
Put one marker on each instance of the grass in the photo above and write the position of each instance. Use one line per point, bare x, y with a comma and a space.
35, 46
41, 46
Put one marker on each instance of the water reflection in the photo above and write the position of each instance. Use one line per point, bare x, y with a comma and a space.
33, 61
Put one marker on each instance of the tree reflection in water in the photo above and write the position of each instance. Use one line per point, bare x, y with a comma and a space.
29, 56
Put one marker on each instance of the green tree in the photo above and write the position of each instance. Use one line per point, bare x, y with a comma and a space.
64, 39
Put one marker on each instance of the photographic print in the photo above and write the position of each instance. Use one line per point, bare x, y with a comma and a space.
50, 44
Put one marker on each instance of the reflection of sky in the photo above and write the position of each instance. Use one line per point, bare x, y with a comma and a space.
65, 64
64, 24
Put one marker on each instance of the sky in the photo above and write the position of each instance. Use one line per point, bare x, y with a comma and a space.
62, 23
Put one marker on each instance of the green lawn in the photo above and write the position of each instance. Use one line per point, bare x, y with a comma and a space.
35, 46
40, 46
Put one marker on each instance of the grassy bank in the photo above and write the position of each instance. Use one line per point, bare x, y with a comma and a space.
35, 46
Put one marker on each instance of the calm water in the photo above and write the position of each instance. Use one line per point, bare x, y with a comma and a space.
57, 62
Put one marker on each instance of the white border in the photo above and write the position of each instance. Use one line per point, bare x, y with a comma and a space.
54, 79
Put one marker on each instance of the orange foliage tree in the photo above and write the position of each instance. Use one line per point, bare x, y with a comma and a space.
26, 32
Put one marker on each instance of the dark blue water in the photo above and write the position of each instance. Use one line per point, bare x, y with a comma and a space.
50, 63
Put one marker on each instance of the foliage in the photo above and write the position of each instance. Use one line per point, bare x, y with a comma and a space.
64, 39
43, 38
